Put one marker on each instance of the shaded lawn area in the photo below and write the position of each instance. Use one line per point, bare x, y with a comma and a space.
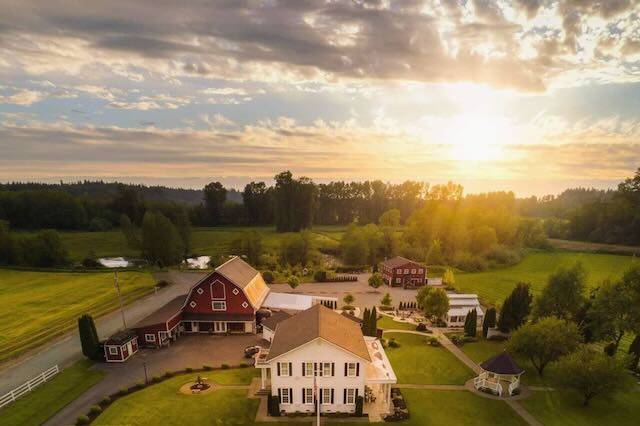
563, 408
460, 408
53, 301
416, 362
163, 404
389, 324
38, 406
494, 286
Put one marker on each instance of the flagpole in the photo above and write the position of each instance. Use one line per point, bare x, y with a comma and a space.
318, 396
115, 278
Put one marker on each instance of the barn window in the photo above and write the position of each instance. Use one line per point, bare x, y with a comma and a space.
150, 337
236, 291
245, 304
218, 305
113, 350
413, 271
200, 290
192, 304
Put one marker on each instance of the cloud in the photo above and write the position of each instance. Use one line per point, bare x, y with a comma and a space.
23, 97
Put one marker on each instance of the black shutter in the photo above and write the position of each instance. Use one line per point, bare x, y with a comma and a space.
333, 369
332, 395
290, 370
357, 392
358, 369
290, 395
344, 396
315, 368
345, 369
303, 372
279, 396
304, 391
278, 365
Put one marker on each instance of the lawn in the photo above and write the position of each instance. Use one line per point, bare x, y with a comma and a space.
204, 241
162, 404
564, 408
38, 406
460, 408
494, 286
387, 323
416, 362
53, 301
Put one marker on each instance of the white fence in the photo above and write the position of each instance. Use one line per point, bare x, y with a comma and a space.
27, 387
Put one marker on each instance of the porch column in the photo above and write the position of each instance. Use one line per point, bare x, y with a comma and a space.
262, 377
388, 396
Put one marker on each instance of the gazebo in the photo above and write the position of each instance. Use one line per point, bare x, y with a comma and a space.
498, 373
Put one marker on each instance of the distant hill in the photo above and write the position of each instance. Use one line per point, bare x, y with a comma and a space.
104, 190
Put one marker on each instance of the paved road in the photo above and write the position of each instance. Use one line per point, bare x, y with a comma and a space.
66, 349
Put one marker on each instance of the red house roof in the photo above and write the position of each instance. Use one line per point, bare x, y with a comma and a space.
397, 262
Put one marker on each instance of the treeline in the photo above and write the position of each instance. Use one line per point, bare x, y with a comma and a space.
473, 233
611, 217
43, 249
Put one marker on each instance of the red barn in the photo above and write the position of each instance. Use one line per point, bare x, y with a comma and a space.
225, 301
400, 271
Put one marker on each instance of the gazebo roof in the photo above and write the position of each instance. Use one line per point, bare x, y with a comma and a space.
502, 364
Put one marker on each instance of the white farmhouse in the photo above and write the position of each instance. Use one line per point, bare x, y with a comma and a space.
459, 306
319, 345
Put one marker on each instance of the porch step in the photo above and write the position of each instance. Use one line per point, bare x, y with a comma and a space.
263, 392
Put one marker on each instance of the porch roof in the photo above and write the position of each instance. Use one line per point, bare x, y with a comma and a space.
379, 370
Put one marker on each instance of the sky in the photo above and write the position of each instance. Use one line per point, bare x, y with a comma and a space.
532, 96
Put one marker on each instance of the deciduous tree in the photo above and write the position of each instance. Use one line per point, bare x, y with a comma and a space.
563, 295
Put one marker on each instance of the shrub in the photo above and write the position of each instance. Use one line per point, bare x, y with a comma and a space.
433, 341
421, 327
347, 308
456, 339
168, 374
188, 370
610, 349
162, 283
392, 343
123, 392
468, 262
90, 262
497, 338
207, 367
243, 365
359, 405
351, 268
95, 410
268, 277
273, 406
141, 385
156, 379
105, 401
225, 366
320, 276
82, 420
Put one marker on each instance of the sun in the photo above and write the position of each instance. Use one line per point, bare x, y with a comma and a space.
475, 138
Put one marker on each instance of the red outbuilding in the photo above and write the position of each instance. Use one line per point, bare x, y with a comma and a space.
400, 271
121, 346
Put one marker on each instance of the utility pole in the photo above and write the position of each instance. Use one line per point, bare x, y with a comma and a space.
115, 276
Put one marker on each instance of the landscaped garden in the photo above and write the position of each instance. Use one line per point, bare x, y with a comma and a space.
387, 323
417, 362
53, 301
495, 285
38, 406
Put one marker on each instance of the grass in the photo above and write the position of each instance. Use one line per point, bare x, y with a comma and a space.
205, 241
565, 408
51, 303
387, 323
416, 362
494, 286
164, 404
460, 408
39, 405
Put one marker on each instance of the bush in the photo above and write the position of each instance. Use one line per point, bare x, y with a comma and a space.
123, 392
273, 406
162, 284
320, 276
168, 374
348, 308
502, 256
156, 379
82, 420
142, 385
105, 401
421, 327
98, 224
244, 365
359, 405
433, 341
351, 268
207, 367
497, 338
392, 343
456, 339
386, 308
225, 366
610, 349
469, 262
95, 410
268, 277
90, 262
188, 370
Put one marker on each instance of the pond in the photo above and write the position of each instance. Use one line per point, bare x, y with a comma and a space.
114, 262
200, 262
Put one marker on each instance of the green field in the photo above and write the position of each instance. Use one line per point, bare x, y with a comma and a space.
494, 286
37, 306
38, 406
416, 362
560, 408
205, 241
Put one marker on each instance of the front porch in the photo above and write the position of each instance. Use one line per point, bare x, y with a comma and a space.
377, 401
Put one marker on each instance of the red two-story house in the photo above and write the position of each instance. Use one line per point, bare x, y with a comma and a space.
400, 271
225, 301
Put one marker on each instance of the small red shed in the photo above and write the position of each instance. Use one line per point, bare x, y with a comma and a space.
121, 346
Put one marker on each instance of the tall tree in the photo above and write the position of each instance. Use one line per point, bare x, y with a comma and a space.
611, 312
183, 225
434, 302
250, 245
390, 218
128, 202
89, 337
215, 196
516, 308
257, 200
161, 242
544, 341
634, 352
591, 373
375, 280
563, 295
373, 322
471, 323
294, 202
489, 321
366, 321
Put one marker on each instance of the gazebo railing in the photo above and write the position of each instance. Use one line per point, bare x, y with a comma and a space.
515, 384
482, 382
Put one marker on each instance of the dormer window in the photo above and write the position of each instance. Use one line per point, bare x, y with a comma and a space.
218, 305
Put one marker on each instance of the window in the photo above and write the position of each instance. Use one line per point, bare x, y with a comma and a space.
350, 396
218, 306
406, 271
284, 369
192, 304
352, 369
150, 337
245, 304
413, 271
235, 291
285, 395
326, 396
308, 369
162, 335
420, 271
398, 280
113, 350
199, 290
307, 395
327, 369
